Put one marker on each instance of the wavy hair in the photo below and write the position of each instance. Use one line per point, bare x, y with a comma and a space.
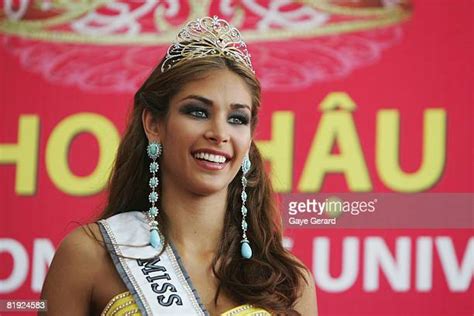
271, 279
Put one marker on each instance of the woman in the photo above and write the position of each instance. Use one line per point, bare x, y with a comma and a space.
191, 227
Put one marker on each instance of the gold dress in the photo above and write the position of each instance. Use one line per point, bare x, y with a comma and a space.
123, 304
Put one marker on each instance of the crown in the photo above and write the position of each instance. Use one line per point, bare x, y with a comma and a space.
205, 37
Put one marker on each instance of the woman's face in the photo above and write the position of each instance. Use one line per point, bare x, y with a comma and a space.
206, 133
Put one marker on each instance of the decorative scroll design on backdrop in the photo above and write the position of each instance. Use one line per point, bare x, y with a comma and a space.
154, 22
329, 38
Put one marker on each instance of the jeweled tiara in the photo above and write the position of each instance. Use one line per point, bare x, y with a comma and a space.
205, 37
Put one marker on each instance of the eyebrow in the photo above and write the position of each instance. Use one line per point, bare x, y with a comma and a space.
209, 103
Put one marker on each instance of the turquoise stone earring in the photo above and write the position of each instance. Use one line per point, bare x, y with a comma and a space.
154, 151
245, 249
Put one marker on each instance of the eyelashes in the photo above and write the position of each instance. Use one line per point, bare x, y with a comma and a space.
239, 119
199, 112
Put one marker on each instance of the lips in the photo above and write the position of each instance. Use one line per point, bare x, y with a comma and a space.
211, 159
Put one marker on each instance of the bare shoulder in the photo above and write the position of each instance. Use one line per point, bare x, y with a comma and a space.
81, 246
70, 279
307, 305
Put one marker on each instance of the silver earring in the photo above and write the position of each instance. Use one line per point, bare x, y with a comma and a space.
154, 151
245, 249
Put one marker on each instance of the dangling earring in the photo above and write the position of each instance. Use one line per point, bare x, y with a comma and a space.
245, 249
154, 151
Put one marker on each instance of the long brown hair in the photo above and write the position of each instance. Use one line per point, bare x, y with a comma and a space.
272, 278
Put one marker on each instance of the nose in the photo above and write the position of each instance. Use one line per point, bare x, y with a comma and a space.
217, 131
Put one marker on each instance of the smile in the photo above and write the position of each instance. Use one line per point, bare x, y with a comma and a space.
211, 160
210, 157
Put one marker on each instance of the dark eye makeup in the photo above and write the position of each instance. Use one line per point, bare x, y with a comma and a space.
237, 117
194, 110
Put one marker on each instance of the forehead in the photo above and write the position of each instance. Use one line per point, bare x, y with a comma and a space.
220, 86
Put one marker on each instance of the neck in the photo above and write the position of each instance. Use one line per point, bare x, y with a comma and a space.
195, 222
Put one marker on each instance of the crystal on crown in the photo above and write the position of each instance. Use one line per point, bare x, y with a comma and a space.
205, 37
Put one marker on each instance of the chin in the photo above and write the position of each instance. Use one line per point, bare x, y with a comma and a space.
207, 188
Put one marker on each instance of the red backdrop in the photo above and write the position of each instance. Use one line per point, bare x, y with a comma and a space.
359, 96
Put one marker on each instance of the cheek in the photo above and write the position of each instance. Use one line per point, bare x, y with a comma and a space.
243, 139
179, 132
242, 144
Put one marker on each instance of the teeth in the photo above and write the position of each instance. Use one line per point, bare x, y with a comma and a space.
210, 157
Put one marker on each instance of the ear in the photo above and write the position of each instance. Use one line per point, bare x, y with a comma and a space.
151, 125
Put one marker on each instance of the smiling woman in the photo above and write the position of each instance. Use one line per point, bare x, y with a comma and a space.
207, 129
190, 226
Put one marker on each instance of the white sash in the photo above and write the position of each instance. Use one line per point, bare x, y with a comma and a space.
159, 286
